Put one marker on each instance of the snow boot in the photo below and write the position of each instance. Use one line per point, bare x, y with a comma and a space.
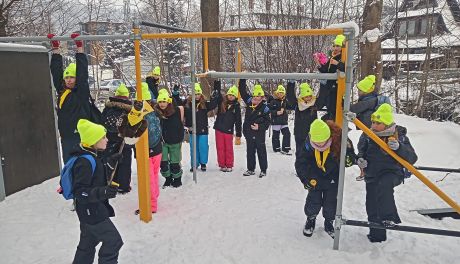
262, 174
309, 226
177, 182
203, 167
286, 153
329, 227
388, 223
223, 169
375, 239
229, 169
249, 173
168, 182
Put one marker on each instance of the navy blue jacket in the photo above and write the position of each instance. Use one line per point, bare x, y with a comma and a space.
258, 115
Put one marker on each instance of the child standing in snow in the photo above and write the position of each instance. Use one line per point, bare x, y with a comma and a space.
228, 118
92, 194
305, 111
256, 123
382, 172
203, 107
279, 120
317, 166
328, 89
172, 130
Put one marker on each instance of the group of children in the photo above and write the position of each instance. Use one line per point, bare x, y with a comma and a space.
165, 116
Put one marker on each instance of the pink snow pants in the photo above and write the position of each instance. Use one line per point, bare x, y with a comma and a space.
154, 181
224, 145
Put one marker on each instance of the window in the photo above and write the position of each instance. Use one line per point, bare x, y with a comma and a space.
264, 19
251, 4
232, 20
402, 28
411, 28
268, 5
423, 26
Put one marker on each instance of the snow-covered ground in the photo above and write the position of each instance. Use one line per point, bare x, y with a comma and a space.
227, 218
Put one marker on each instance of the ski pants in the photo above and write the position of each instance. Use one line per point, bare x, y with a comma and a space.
224, 146
277, 130
170, 160
91, 236
155, 162
202, 150
322, 198
256, 144
123, 173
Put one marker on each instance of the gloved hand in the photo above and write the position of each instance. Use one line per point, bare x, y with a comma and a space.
362, 163
116, 157
54, 43
176, 90
78, 43
348, 161
107, 192
310, 185
131, 140
237, 141
393, 144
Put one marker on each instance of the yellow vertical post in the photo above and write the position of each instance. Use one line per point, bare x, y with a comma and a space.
142, 155
206, 54
341, 90
238, 67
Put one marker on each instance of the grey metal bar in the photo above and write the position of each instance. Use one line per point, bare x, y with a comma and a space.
413, 229
437, 169
267, 75
2, 181
192, 81
343, 147
65, 38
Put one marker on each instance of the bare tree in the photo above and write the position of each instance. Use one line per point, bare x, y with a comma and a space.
210, 22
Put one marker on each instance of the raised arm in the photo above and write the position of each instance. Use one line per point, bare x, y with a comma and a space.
291, 99
242, 88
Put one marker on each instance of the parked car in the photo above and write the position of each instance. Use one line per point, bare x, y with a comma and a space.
110, 85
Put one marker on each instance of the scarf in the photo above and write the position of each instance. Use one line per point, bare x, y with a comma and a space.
304, 106
390, 131
324, 150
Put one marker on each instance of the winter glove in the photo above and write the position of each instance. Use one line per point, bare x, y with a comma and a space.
107, 192
310, 185
362, 163
54, 43
393, 144
175, 90
78, 43
131, 140
237, 141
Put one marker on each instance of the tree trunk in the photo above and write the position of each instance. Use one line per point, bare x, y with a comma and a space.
371, 51
210, 22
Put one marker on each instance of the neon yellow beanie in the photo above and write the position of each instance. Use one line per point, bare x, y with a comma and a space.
90, 133
305, 90
122, 90
146, 95
198, 89
339, 39
70, 71
258, 91
319, 131
164, 97
156, 72
233, 91
384, 114
367, 85
281, 89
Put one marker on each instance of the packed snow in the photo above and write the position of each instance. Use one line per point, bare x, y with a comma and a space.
228, 218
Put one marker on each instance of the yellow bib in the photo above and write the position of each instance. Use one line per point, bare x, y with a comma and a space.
320, 162
63, 97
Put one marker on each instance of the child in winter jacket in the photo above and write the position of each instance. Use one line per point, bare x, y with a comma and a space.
153, 81
202, 108
91, 192
305, 111
172, 130
328, 89
74, 99
117, 107
382, 172
317, 166
228, 118
279, 120
256, 123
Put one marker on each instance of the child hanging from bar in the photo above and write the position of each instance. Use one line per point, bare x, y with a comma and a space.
256, 123
228, 120
74, 99
383, 172
153, 81
279, 121
203, 107
328, 88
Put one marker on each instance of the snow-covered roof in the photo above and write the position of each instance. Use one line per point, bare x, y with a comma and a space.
21, 47
412, 57
121, 60
446, 40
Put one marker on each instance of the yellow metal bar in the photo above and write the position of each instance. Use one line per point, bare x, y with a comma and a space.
243, 34
238, 68
341, 90
142, 154
408, 166
205, 55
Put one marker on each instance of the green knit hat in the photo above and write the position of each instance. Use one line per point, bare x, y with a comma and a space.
281, 89
319, 131
384, 114
198, 89
122, 90
90, 133
367, 85
339, 40
70, 71
233, 91
258, 91
305, 90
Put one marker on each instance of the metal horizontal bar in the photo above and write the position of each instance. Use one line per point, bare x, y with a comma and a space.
247, 34
269, 75
412, 229
436, 169
65, 38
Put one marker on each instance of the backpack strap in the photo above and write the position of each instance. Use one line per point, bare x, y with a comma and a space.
91, 159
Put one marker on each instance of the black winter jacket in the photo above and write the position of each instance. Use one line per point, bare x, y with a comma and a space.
202, 126
381, 163
153, 86
259, 115
364, 108
114, 109
276, 105
302, 119
230, 120
78, 103
90, 206
172, 128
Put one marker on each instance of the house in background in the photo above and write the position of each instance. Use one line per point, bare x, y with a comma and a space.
418, 43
